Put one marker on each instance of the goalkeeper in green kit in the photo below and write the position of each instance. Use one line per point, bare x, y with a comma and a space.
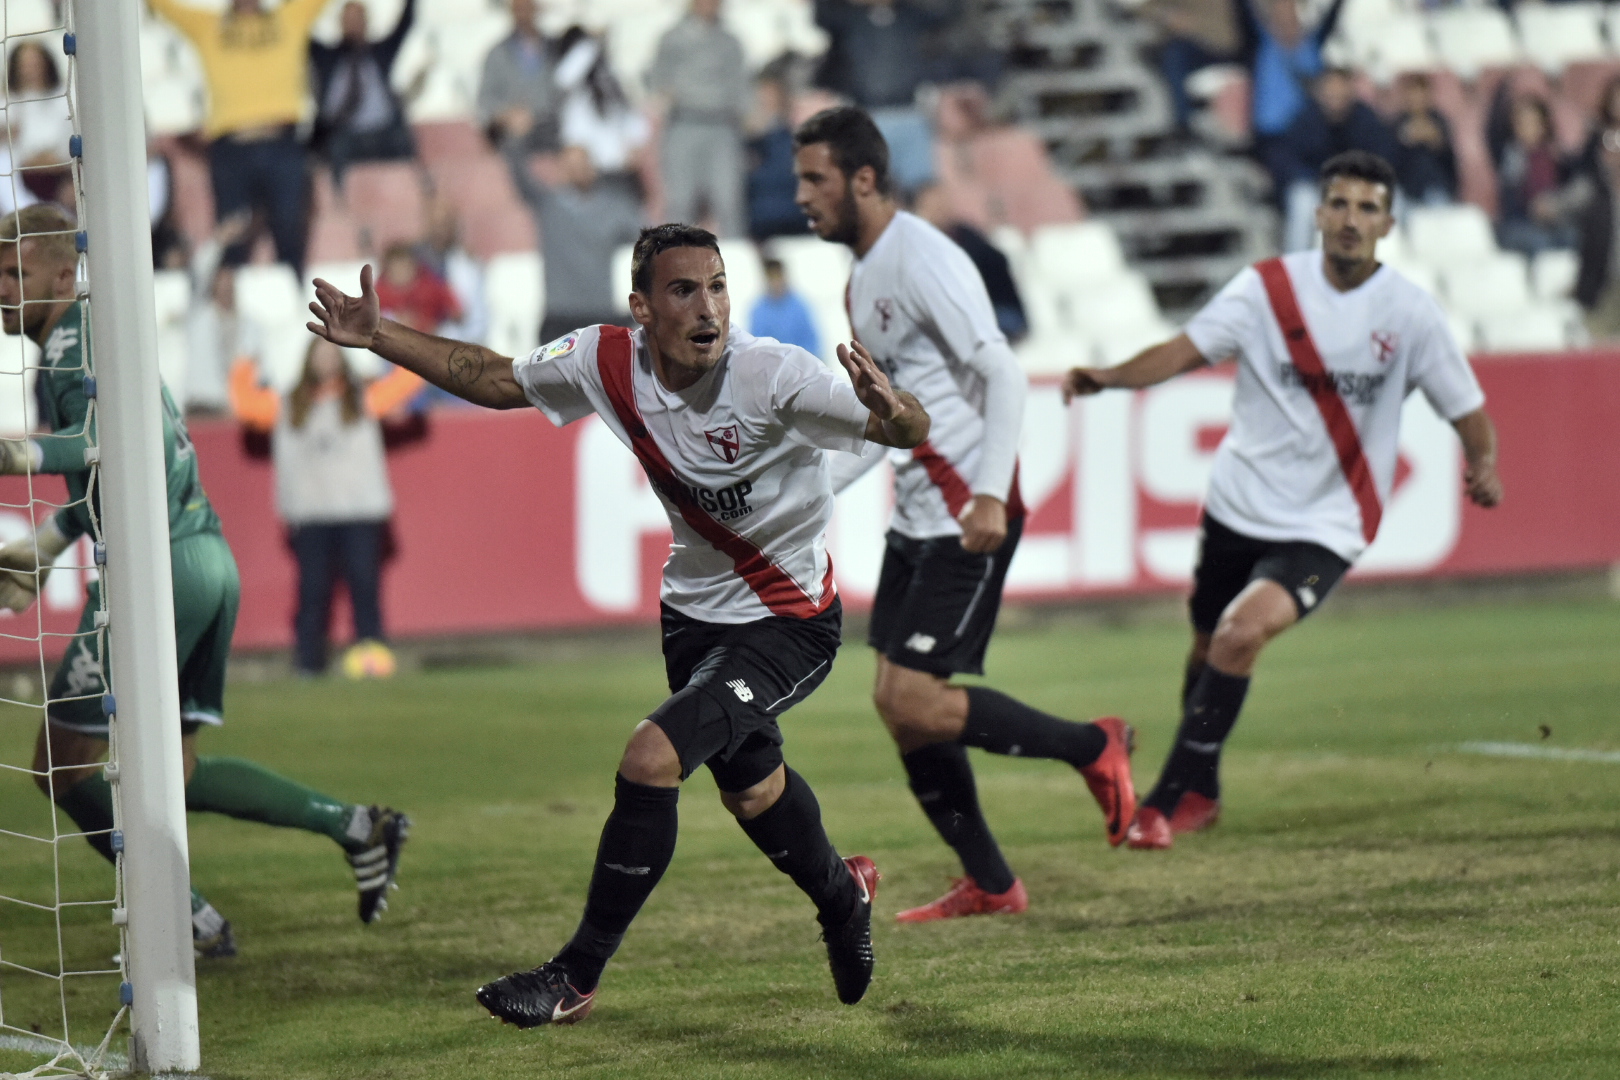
38, 266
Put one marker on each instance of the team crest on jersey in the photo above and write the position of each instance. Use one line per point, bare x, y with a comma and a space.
885, 310
725, 442
1384, 344
561, 347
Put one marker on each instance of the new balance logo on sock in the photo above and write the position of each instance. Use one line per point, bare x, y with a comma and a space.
1202, 747
922, 643
740, 688
633, 871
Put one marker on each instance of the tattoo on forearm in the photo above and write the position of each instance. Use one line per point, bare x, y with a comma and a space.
465, 366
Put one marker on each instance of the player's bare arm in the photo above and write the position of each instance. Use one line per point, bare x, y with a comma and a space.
897, 419
1478, 436
469, 371
1150, 367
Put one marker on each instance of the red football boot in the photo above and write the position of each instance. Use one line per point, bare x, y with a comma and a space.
1109, 778
966, 898
1149, 831
1194, 812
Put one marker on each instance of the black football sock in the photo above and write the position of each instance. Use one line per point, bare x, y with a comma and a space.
1212, 708
89, 804
1003, 725
637, 843
942, 780
1190, 680
791, 836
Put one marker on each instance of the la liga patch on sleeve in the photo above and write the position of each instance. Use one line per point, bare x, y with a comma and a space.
561, 347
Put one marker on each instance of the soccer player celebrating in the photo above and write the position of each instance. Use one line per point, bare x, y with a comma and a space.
732, 430
38, 265
917, 302
1328, 346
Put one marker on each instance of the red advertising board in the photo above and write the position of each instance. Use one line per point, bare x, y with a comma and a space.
506, 523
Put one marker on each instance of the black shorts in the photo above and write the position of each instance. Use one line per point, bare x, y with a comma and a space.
936, 603
730, 681
1229, 560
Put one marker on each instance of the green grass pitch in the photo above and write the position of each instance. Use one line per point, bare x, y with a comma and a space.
1373, 903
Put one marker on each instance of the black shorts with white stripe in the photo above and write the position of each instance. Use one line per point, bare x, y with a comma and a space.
936, 602
1229, 560
729, 683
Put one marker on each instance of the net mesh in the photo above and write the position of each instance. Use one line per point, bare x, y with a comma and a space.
62, 987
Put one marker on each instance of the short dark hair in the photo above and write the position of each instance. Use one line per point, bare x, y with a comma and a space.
661, 238
853, 140
1359, 165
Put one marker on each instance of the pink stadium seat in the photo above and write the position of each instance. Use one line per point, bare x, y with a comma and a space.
1012, 167
493, 218
387, 199
193, 191
449, 140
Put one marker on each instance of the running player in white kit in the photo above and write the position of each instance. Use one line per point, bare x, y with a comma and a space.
917, 302
733, 431
1328, 345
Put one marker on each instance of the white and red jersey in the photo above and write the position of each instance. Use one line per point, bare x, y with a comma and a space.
918, 303
1316, 419
737, 458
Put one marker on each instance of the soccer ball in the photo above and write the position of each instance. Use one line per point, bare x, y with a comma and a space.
369, 660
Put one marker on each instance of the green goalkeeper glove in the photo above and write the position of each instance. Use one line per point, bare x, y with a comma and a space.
26, 563
18, 456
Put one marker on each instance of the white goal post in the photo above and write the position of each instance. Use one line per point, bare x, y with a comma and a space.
150, 779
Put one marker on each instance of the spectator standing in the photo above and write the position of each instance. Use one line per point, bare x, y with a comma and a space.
1424, 161
332, 491
702, 77
1197, 34
1597, 285
359, 117
1530, 172
1285, 57
595, 112
411, 293
782, 313
933, 206
40, 123
518, 98
879, 57
441, 252
1334, 120
773, 209
256, 63
581, 224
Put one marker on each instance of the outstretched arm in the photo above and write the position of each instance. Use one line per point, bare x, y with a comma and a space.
1147, 368
897, 419
468, 371
1478, 436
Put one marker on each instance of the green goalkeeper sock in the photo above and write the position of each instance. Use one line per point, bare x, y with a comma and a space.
242, 789
89, 804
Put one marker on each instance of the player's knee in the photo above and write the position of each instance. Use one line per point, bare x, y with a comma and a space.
650, 758
912, 714
1239, 635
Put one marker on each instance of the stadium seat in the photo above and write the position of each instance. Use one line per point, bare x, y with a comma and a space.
514, 293
1399, 43
1557, 35
1104, 309
493, 218
387, 200
1054, 353
1419, 274
1118, 345
1543, 328
815, 268
19, 358
1496, 285
1552, 275
30, 17
1464, 330
745, 277
623, 258
1440, 235
1075, 256
269, 296
1470, 39
171, 298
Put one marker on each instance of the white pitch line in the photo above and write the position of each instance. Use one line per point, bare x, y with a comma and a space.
114, 1061
1546, 753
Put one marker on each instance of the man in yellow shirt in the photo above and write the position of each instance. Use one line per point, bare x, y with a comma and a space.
256, 62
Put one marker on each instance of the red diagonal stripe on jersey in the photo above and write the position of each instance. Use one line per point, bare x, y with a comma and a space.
775, 588
951, 485
1308, 362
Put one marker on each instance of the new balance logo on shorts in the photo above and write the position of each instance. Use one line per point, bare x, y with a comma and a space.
922, 643
740, 688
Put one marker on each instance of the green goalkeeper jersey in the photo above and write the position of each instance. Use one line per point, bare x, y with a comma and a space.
64, 407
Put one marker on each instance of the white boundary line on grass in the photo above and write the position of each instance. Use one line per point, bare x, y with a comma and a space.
114, 1061
1546, 753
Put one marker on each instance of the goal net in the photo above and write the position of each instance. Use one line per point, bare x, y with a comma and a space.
66, 982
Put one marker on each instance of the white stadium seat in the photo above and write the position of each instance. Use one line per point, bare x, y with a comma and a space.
1121, 343
1552, 275
1419, 274
269, 296
1543, 328
1556, 35
1498, 285
623, 257
1071, 256
1102, 310
171, 299
1396, 44
1439, 235
1470, 39
1464, 330
514, 293
19, 357
814, 267
1053, 354
745, 278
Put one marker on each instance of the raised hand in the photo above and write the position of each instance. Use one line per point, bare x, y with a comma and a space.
871, 385
344, 319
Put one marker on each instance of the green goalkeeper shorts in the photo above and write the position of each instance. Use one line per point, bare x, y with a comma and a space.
207, 592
